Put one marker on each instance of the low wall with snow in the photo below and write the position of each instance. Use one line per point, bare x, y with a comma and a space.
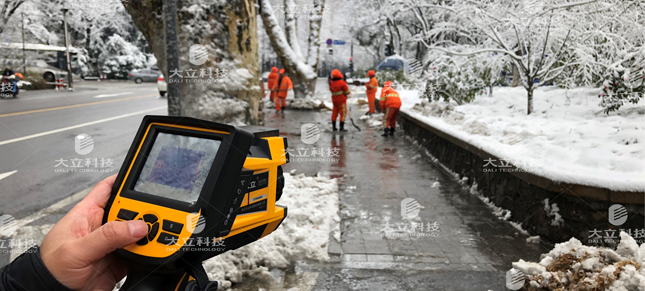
583, 209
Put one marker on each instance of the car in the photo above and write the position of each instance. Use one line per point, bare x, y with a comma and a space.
162, 86
140, 76
393, 63
265, 76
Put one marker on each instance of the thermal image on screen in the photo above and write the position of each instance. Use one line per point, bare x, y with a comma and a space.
177, 167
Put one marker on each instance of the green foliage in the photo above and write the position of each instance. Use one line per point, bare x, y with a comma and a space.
622, 87
454, 79
37, 82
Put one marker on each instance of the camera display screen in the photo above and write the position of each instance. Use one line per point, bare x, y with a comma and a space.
177, 167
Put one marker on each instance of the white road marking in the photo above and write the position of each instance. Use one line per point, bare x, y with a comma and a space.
78, 125
112, 95
7, 174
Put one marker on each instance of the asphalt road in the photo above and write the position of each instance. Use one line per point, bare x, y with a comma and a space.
39, 165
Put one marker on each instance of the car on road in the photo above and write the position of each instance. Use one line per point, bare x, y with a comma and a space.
146, 75
393, 63
162, 86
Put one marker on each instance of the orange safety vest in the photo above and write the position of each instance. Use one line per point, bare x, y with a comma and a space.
272, 80
283, 86
339, 89
372, 86
390, 99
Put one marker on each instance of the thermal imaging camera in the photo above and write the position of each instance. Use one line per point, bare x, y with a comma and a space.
203, 188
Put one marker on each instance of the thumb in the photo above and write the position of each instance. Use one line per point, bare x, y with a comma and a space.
109, 237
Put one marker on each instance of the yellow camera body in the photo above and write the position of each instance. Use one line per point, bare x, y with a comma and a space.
203, 188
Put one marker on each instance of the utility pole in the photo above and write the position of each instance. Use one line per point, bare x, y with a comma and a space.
70, 87
24, 62
172, 56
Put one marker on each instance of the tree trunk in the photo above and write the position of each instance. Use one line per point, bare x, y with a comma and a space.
517, 79
302, 73
529, 92
226, 86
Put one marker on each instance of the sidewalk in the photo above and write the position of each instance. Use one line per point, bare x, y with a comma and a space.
454, 243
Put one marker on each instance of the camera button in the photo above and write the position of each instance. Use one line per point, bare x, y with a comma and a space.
167, 239
127, 214
171, 226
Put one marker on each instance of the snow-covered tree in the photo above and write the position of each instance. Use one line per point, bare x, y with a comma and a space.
119, 57
7, 9
229, 87
539, 37
301, 67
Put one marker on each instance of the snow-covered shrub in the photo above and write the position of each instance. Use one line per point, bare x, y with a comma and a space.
456, 79
621, 87
489, 67
119, 57
399, 78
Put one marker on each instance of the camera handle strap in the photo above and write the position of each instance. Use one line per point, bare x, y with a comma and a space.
201, 278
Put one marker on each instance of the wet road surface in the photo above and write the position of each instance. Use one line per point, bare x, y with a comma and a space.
453, 243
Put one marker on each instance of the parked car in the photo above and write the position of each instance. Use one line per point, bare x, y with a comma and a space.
265, 76
162, 86
394, 63
140, 76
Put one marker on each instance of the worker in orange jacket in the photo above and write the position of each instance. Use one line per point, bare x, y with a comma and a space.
272, 80
339, 93
282, 87
372, 87
390, 104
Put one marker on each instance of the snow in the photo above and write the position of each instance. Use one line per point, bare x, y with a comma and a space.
553, 211
299, 103
579, 267
567, 139
312, 217
281, 42
375, 120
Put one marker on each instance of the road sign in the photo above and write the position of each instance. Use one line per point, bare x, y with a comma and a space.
330, 41
338, 42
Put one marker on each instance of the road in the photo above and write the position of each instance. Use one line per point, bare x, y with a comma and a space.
37, 133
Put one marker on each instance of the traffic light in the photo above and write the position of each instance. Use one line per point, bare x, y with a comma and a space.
351, 65
388, 50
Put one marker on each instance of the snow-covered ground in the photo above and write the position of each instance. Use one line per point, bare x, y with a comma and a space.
304, 234
567, 138
573, 266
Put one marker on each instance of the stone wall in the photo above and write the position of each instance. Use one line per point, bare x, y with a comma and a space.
583, 208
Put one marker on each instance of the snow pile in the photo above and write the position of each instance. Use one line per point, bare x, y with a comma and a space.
573, 266
567, 138
305, 104
212, 106
299, 103
312, 214
374, 120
